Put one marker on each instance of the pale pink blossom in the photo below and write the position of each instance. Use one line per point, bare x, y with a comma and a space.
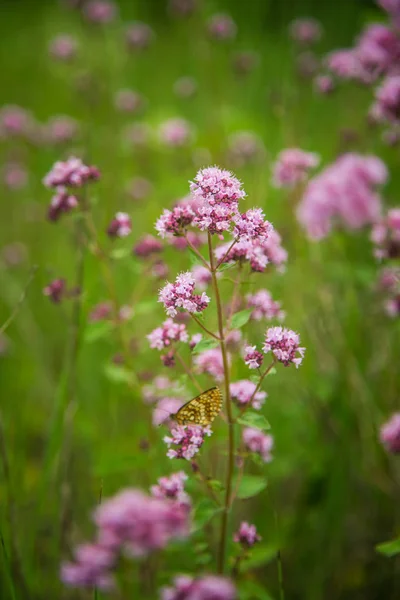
242, 392
258, 442
284, 345
390, 434
180, 295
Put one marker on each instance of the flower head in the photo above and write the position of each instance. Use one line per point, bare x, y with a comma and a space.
175, 221
172, 488
292, 166
188, 440
180, 295
264, 307
252, 357
175, 132
305, 31
210, 362
387, 100
128, 101
100, 11
284, 344
222, 27
92, 568
63, 47
242, 392
71, 173
138, 36
120, 226
252, 225
390, 434
147, 246
246, 535
258, 442
55, 290
207, 587
169, 332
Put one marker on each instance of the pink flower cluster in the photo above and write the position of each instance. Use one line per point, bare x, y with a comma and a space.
264, 307
246, 535
170, 332
71, 173
128, 101
210, 362
130, 523
60, 130
138, 36
222, 27
207, 587
390, 434
258, 442
252, 225
175, 221
61, 203
188, 440
175, 132
284, 345
180, 295
292, 167
252, 357
345, 191
63, 47
305, 31
393, 8
55, 290
259, 253
386, 235
100, 11
172, 488
387, 100
242, 392
120, 226
218, 193
147, 246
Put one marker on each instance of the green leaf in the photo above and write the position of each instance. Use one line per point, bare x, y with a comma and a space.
118, 373
251, 485
240, 319
120, 253
194, 259
254, 419
205, 345
203, 513
216, 485
96, 330
260, 555
251, 590
226, 266
389, 548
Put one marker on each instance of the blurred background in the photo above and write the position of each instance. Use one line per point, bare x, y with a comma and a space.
95, 90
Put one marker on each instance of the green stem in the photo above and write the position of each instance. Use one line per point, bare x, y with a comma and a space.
267, 370
197, 253
228, 404
226, 254
204, 328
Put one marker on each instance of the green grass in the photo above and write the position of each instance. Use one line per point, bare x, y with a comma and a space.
331, 484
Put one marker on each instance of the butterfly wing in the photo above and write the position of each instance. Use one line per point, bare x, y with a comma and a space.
201, 410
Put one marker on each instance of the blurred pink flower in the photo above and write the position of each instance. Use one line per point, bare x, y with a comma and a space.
172, 488
222, 27
202, 276
61, 129
128, 101
245, 62
210, 362
324, 84
244, 147
120, 226
385, 234
15, 176
164, 409
100, 11
305, 31
146, 246
176, 132
206, 587
258, 442
292, 166
61, 203
264, 307
246, 535
185, 87
73, 172
242, 392
344, 190
139, 188
55, 290
162, 337
15, 121
183, 8
92, 568
387, 100
138, 36
390, 434
63, 47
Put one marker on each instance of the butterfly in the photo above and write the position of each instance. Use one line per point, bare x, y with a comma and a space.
201, 410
